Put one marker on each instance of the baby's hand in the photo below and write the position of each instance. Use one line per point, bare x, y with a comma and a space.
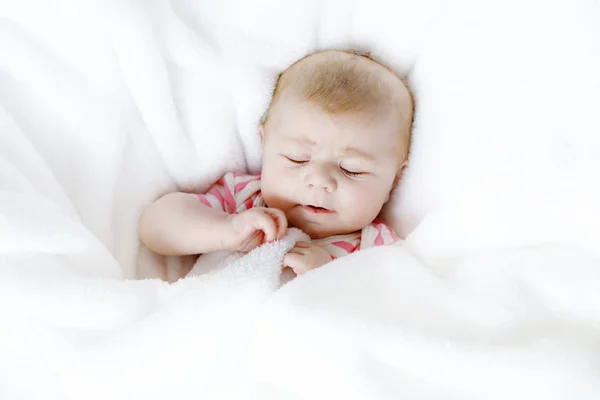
304, 257
253, 227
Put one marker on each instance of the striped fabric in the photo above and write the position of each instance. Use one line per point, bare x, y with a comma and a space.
236, 192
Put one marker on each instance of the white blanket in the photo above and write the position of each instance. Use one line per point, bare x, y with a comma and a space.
106, 104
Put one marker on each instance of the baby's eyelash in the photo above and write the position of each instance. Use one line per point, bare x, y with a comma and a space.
351, 173
299, 162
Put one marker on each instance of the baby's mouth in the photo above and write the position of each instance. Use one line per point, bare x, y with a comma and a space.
316, 209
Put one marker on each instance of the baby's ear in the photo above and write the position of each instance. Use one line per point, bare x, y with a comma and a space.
402, 167
394, 184
399, 174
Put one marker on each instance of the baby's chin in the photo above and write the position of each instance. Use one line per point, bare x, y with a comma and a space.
321, 231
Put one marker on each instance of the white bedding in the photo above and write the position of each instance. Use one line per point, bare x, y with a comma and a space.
104, 105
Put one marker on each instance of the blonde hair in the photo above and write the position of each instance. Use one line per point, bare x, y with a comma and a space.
341, 82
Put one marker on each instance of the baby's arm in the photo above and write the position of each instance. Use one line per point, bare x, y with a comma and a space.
178, 224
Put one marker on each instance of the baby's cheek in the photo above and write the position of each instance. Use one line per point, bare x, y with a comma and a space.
275, 194
365, 205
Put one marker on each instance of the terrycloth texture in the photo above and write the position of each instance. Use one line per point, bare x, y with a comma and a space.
106, 104
265, 260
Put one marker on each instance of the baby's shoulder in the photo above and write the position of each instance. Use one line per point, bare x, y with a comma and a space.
244, 188
378, 233
240, 176
238, 181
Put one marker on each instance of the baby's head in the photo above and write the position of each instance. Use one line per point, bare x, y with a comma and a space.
335, 140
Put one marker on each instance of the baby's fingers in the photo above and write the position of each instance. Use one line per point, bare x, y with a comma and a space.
265, 223
297, 250
295, 262
280, 221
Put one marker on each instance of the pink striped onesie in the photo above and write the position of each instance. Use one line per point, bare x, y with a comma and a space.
236, 192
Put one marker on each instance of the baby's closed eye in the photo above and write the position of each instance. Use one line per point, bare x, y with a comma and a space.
352, 173
296, 159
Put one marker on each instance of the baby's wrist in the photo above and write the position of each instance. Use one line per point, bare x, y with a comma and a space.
215, 235
226, 232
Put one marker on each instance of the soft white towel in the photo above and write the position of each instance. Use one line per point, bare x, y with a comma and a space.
262, 263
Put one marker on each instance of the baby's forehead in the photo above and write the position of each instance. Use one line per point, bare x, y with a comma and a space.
296, 114
301, 121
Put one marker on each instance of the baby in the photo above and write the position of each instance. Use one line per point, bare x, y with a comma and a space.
335, 141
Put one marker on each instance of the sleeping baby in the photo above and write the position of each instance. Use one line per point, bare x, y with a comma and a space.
335, 141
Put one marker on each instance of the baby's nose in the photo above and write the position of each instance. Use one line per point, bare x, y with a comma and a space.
321, 178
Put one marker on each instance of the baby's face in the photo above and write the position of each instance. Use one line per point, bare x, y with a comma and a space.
330, 174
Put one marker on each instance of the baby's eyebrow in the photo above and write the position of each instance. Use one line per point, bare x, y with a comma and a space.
303, 141
354, 152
